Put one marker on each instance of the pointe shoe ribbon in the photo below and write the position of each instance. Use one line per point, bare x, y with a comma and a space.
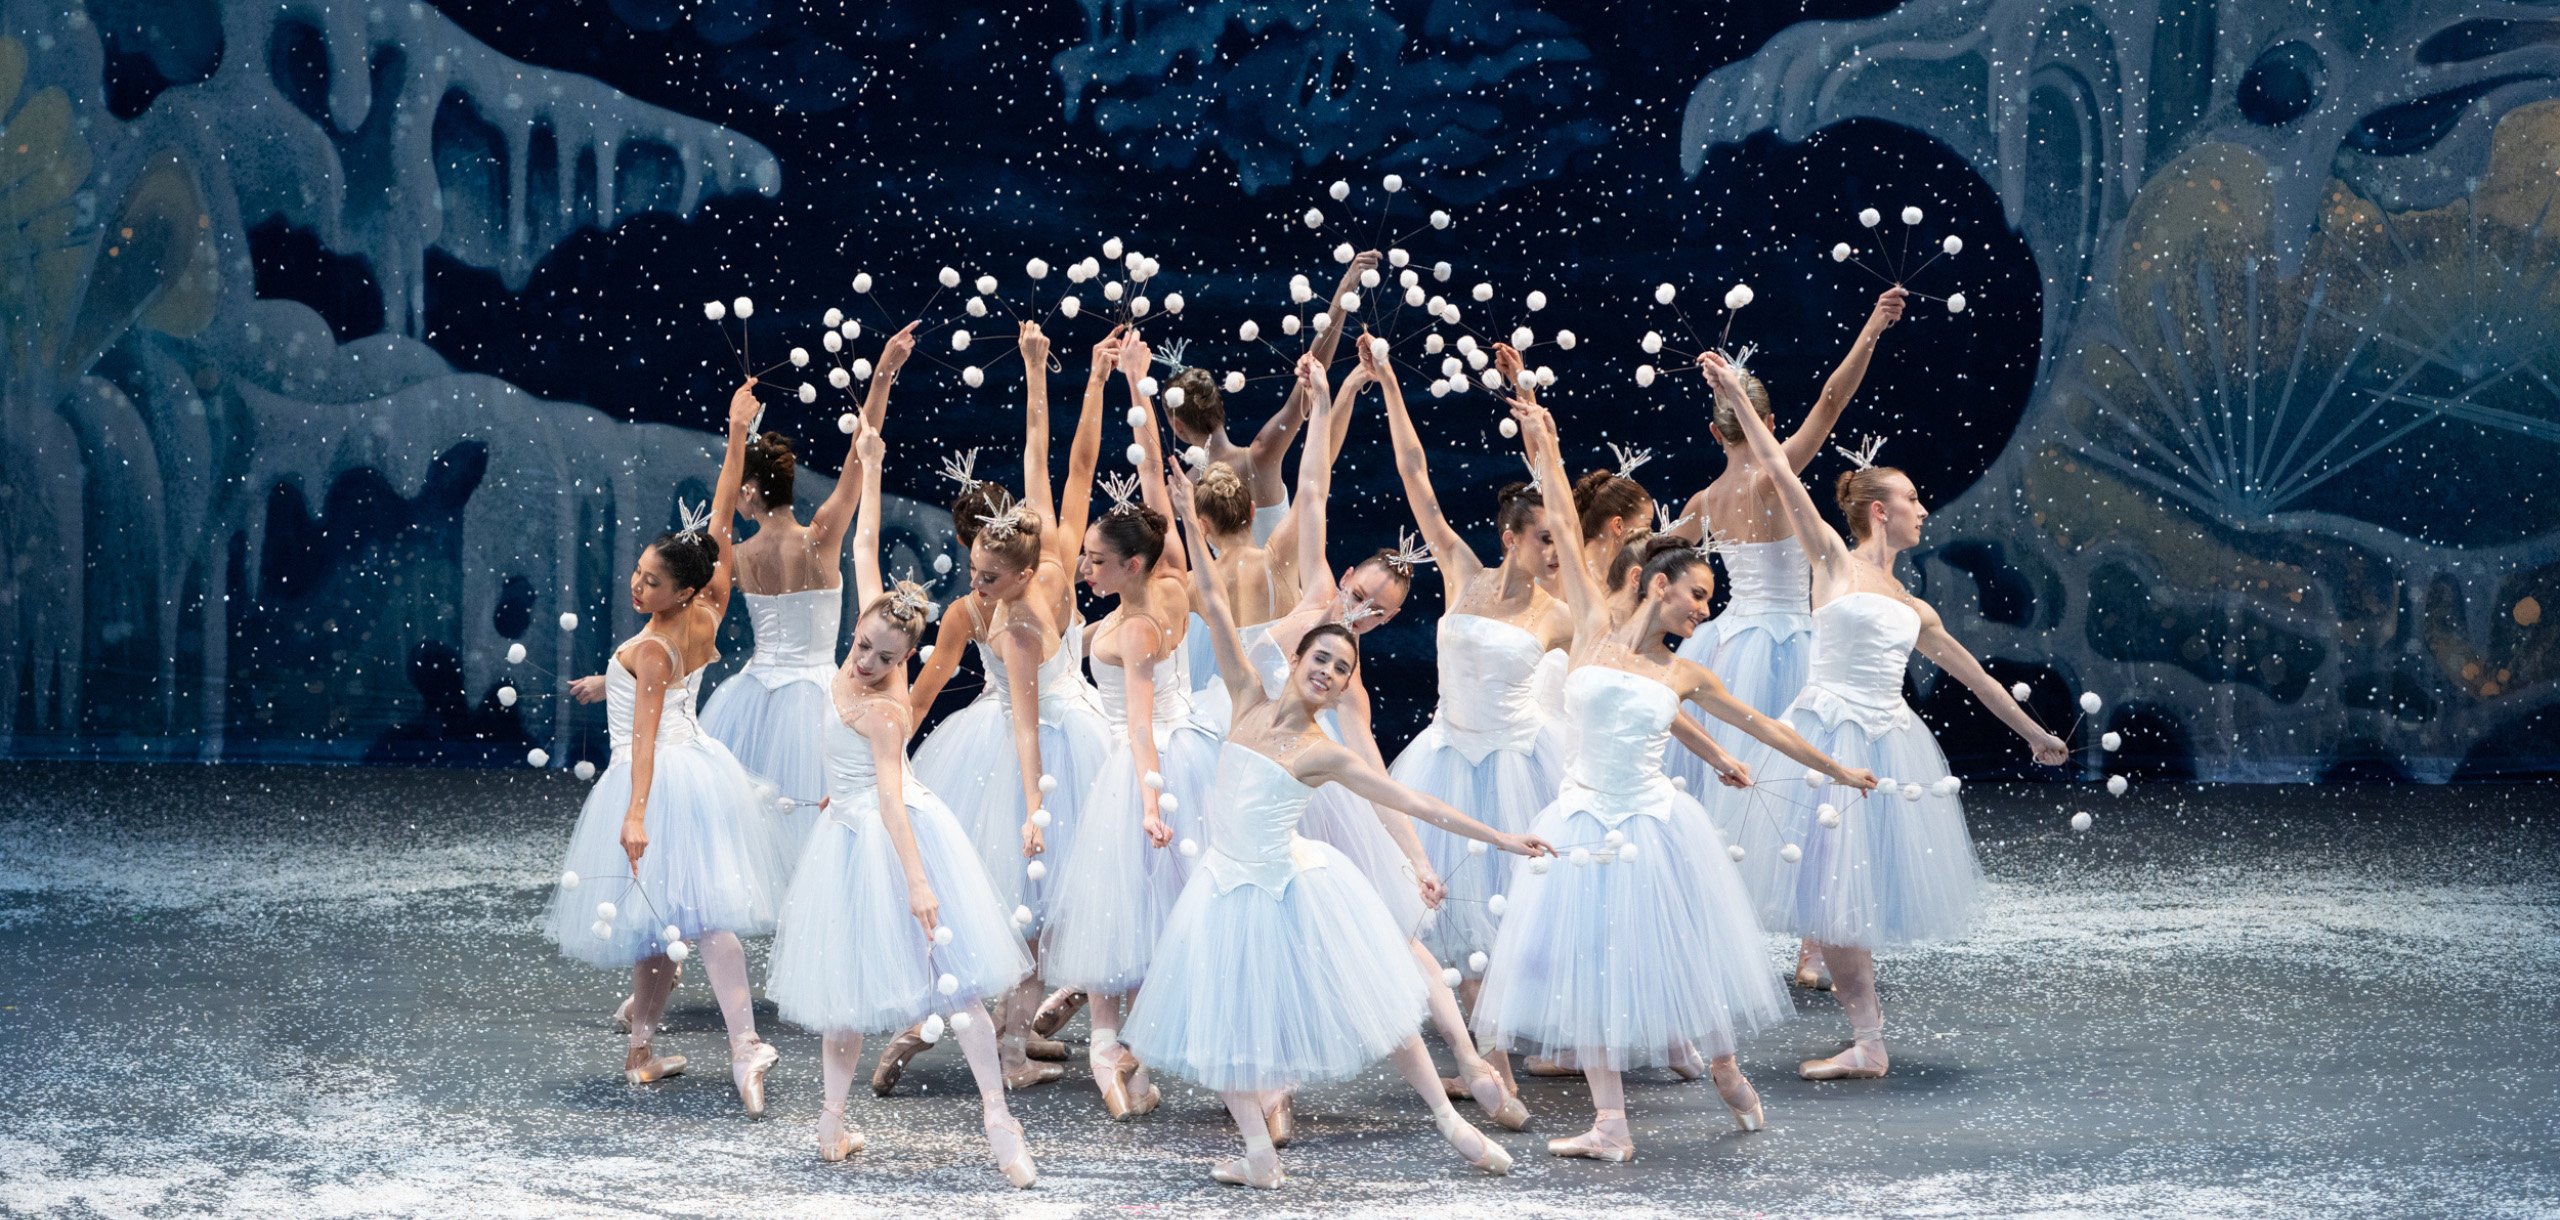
1506, 1109
1490, 1157
1598, 1144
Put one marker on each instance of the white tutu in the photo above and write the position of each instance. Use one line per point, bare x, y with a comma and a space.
1893, 872
1504, 790
774, 732
850, 957
969, 762
1347, 822
1111, 905
1762, 660
713, 863
1254, 991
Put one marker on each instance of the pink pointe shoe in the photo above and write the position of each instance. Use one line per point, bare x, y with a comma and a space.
1607, 1140
1739, 1096
1501, 1105
1863, 1059
835, 1143
747, 1066
1004, 1138
644, 1065
1488, 1156
1241, 1171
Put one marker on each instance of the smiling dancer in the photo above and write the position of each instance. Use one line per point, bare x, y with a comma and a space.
675, 847
889, 899
1887, 872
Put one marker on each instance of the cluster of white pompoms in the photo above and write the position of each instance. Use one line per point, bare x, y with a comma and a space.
931, 1031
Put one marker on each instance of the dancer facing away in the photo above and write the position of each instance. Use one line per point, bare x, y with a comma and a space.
773, 713
1127, 870
889, 897
1643, 950
1036, 707
1279, 966
676, 843
1887, 873
1763, 640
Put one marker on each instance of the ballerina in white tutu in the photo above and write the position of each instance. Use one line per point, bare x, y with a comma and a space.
676, 846
1144, 811
1762, 642
1036, 709
1279, 966
889, 918
1888, 871
773, 713
1642, 947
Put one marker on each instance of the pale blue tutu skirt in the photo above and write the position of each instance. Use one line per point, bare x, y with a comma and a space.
969, 763
850, 957
1105, 915
777, 733
1893, 872
1763, 660
1253, 991
1625, 959
713, 864
1340, 818
1505, 791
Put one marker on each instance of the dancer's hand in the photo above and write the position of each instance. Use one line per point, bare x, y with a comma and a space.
1507, 361
922, 904
2052, 751
1106, 352
1739, 777
1032, 842
1720, 374
1537, 426
1178, 482
1035, 347
1524, 845
589, 689
1434, 890
868, 446
1158, 834
1366, 368
1134, 358
1887, 312
893, 355
635, 838
1856, 777
743, 408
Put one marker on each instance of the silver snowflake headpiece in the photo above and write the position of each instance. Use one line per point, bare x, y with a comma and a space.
1864, 456
693, 518
1359, 611
962, 468
1170, 356
1629, 459
908, 599
1411, 552
1005, 524
1664, 522
1741, 357
1123, 490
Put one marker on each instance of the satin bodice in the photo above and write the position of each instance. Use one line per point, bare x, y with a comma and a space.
1861, 646
1253, 833
1172, 696
676, 725
1768, 577
853, 777
1489, 672
795, 635
1061, 678
1625, 720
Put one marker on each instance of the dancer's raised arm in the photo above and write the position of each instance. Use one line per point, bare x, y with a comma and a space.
1822, 544
1244, 686
1583, 594
743, 412
1271, 444
893, 357
1135, 357
862, 469
1084, 452
1297, 545
1057, 544
1457, 561
951, 637
1806, 442
1326, 762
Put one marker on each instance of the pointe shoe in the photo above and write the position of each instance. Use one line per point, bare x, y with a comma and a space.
644, 1065
747, 1072
1490, 1157
893, 1060
1506, 1110
1144, 1096
1861, 1060
1560, 1066
1004, 1138
1027, 1074
1047, 1050
1684, 1060
834, 1142
1740, 1098
1282, 1121
1455, 1088
1238, 1171
1112, 1077
1055, 1012
1599, 1143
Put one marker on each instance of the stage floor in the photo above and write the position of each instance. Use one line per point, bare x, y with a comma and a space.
323, 992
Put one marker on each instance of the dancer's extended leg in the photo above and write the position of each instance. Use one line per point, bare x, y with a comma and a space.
1004, 1133
1488, 1087
653, 979
1259, 1167
1853, 976
1413, 1062
724, 962
840, 1058
1608, 1139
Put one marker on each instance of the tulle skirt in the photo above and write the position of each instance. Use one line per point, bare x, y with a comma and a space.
778, 733
1108, 910
1347, 822
1895, 871
1504, 791
713, 864
850, 957
1625, 958
969, 763
1762, 659
1252, 991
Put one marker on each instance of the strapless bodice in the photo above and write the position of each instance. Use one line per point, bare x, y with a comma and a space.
1768, 577
1861, 646
853, 779
1624, 719
1489, 673
1253, 832
795, 635
1172, 695
1061, 678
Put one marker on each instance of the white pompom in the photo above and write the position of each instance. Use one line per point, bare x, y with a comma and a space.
1321, 322
1300, 291
1509, 427
1791, 853
1613, 838
1114, 290
1136, 453
1154, 780
1250, 331
973, 377
1627, 852
1481, 292
2118, 785
607, 911
1536, 301
1947, 785
1815, 779
1111, 248
833, 341
1828, 815
1139, 306
1911, 216
515, 653
1078, 273
1581, 857
942, 565
960, 1022
1663, 294
1190, 849
851, 329
1175, 396
1451, 976
959, 340
2111, 742
1539, 864
1952, 245
1651, 343
833, 318
1439, 220
1137, 417
809, 394
1478, 847
714, 310
1393, 183
2020, 691
862, 369
1048, 784
671, 934
800, 356
1340, 191
584, 769
845, 422
1197, 456
1069, 306
1680, 783
1350, 302
948, 984
1522, 338
1398, 256
1565, 339
1644, 374
1169, 803
569, 879
568, 620
1173, 302
1840, 253
1146, 269
1912, 792
1734, 852
976, 307
986, 285
1314, 218
1380, 349
1955, 302
1492, 379
1433, 343
839, 378
2080, 820
1035, 870
1022, 917
678, 951
601, 930
1037, 269
1041, 818
1289, 325
1737, 296
1414, 297
931, 1031
1369, 278
506, 696
744, 307
862, 281
1870, 217
950, 277
1477, 961
1441, 271
538, 757
1344, 253
1498, 903
2090, 702
925, 653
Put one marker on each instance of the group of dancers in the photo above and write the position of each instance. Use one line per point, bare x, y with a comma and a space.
1202, 843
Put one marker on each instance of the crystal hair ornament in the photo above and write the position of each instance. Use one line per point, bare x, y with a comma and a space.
1864, 456
962, 468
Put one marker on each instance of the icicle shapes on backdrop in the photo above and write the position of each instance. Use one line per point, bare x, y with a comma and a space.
1894, 257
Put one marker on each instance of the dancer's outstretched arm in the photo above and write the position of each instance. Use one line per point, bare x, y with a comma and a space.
880, 724
862, 473
827, 525
1244, 687
951, 637
1693, 736
1084, 452
1805, 443
1457, 561
1297, 544
1057, 543
1698, 685
1950, 654
743, 412
1359, 735
1584, 597
893, 357
1271, 444
1326, 762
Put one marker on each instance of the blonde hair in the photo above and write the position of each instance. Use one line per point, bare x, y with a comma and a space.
1224, 503
1859, 488
1727, 425
904, 608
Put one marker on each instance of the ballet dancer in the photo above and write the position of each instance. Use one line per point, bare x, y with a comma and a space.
676, 846
890, 918
1873, 874
1279, 966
